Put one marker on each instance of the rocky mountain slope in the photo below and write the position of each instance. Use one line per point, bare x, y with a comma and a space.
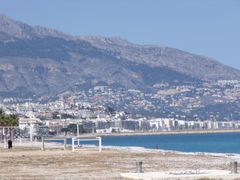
41, 61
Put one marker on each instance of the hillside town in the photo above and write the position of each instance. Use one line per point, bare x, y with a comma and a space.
199, 101
96, 110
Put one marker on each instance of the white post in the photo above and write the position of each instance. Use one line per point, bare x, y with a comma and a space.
78, 134
65, 143
72, 144
100, 143
31, 132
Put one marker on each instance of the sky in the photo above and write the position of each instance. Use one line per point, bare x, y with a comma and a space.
205, 27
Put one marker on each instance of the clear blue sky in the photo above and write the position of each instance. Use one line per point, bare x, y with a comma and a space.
206, 27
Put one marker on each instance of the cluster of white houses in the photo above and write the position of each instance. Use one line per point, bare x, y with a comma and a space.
173, 124
36, 126
165, 124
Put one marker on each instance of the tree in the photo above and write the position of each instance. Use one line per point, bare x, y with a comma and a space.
8, 120
109, 110
73, 128
1, 111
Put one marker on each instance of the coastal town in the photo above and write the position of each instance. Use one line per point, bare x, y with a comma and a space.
119, 90
201, 101
92, 111
28, 158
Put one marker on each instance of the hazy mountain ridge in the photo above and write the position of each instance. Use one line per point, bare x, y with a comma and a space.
184, 62
24, 31
42, 61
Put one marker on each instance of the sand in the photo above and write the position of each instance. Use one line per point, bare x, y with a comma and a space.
29, 162
186, 175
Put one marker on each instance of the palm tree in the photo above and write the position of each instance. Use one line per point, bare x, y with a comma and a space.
8, 120
13, 120
1, 111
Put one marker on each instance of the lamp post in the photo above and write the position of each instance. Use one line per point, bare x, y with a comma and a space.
78, 134
31, 132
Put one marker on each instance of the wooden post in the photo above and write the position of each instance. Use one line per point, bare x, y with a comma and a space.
43, 144
139, 167
234, 166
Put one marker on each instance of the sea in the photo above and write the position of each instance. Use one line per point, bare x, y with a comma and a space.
209, 143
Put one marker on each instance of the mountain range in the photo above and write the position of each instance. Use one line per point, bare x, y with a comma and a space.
41, 62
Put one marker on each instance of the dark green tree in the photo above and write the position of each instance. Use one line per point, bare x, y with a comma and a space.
1, 112
8, 120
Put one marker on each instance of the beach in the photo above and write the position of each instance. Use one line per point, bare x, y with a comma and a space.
29, 162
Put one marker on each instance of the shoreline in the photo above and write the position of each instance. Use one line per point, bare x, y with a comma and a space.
172, 132
139, 149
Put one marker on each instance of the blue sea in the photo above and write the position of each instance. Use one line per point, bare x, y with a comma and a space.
213, 143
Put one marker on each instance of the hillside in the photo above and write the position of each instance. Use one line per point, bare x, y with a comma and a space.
41, 61
149, 80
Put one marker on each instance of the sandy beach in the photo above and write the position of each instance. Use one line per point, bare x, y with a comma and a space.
29, 162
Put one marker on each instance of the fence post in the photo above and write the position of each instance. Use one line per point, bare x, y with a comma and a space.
139, 167
234, 166
65, 143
